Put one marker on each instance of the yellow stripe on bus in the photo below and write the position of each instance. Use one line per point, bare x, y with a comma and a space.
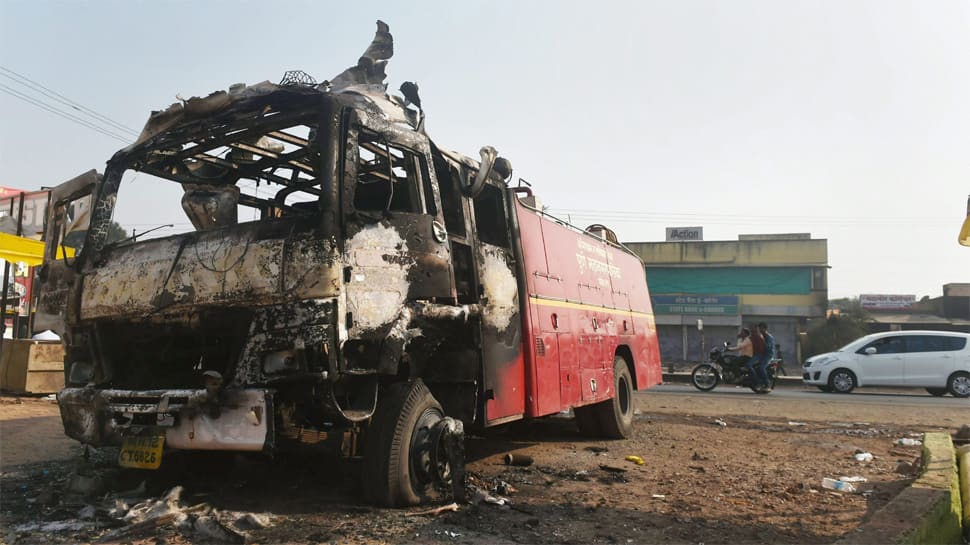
538, 300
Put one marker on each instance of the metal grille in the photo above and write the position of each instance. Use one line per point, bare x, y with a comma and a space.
540, 347
297, 77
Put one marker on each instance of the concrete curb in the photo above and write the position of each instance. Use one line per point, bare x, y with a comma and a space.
782, 382
928, 511
963, 464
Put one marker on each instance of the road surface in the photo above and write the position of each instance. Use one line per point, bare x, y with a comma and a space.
881, 396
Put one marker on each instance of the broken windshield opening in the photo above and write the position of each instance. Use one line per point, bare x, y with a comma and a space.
241, 175
389, 177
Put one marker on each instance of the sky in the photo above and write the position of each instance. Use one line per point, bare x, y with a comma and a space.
849, 120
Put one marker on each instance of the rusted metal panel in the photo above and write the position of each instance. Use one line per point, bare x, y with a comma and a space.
502, 352
236, 268
243, 424
102, 417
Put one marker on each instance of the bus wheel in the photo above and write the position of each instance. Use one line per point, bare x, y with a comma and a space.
400, 463
616, 415
610, 418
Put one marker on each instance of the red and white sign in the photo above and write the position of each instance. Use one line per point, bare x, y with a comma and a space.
871, 301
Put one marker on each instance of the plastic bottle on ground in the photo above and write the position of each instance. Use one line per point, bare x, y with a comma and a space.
834, 484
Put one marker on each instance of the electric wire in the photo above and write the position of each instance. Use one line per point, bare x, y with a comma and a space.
621, 216
30, 100
50, 93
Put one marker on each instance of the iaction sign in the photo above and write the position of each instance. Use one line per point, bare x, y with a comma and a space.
680, 234
723, 305
874, 301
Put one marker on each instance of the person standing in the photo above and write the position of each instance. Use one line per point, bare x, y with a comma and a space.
761, 367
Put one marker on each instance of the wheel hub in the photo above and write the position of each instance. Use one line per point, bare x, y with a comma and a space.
422, 450
961, 385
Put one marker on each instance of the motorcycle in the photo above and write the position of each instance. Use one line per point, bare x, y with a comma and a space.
727, 368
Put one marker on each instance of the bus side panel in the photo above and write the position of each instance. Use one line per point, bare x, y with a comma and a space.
579, 264
640, 333
540, 333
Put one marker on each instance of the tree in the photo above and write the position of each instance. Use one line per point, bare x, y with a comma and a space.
116, 232
846, 322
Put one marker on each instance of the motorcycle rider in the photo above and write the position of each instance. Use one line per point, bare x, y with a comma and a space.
761, 365
758, 347
744, 349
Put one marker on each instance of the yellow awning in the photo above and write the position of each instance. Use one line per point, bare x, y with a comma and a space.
24, 250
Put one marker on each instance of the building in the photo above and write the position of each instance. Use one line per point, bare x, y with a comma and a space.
720, 285
948, 313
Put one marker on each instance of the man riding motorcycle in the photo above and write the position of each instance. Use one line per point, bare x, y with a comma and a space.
745, 350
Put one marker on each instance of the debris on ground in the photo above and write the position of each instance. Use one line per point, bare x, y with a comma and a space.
504, 488
863, 456
518, 460
906, 468
451, 507
479, 496
567, 495
793, 423
908, 442
719, 422
962, 435
635, 459
837, 484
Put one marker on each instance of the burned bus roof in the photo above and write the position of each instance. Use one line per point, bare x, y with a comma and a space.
360, 86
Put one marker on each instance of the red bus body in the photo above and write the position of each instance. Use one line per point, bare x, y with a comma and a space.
585, 301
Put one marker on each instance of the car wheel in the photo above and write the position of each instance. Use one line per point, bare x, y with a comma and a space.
938, 392
826, 389
959, 384
842, 381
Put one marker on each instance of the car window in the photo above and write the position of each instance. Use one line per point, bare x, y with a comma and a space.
886, 345
954, 343
926, 343
934, 343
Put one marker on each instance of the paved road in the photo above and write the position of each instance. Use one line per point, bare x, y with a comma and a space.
883, 396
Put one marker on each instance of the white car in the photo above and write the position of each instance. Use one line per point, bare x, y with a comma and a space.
936, 360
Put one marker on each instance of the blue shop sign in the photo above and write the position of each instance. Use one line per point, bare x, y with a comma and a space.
725, 305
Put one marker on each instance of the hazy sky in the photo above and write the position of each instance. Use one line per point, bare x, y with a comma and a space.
846, 119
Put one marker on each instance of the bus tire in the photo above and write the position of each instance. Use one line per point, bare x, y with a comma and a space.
616, 414
397, 460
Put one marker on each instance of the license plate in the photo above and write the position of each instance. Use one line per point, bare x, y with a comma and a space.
141, 451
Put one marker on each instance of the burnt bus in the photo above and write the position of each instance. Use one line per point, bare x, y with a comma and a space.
344, 278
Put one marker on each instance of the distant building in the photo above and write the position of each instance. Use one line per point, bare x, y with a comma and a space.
778, 279
948, 313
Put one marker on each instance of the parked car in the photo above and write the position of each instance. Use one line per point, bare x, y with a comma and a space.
936, 360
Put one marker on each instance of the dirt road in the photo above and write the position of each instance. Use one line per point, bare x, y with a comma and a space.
716, 470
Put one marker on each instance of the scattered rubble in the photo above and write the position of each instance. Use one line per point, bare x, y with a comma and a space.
694, 471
